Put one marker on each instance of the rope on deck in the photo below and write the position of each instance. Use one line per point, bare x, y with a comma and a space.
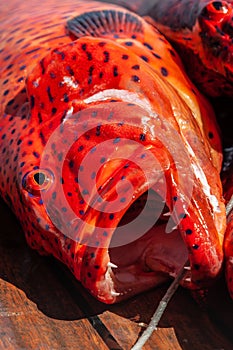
229, 206
160, 310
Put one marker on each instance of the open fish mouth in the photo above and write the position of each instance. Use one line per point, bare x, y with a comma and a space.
126, 206
149, 260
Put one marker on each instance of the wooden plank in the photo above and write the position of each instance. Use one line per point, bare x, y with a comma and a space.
42, 306
36, 310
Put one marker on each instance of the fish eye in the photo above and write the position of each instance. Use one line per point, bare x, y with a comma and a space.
215, 10
37, 180
40, 178
218, 5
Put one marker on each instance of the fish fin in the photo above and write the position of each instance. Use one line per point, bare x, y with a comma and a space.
105, 23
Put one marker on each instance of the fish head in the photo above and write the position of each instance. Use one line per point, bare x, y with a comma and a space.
95, 176
201, 31
90, 171
216, 32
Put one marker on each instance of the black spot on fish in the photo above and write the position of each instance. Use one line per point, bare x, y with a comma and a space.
106, 56
51, 99
66, 98
84, 47
156, 55
54, 110
42, 66
125, 57
148, 46
42, 137
60, 53
32, 101
211, 135
164, 71
115, 71
128, 43
135, 78
39, 117
91, 69
195, 246
188, 231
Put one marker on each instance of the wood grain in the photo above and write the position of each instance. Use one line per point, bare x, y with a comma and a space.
43, 307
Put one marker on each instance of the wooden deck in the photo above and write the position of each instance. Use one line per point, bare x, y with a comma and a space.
43, 307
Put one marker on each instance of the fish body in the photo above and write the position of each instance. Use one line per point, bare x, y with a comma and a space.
98, 118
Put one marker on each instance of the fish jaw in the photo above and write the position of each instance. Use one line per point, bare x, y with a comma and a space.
106, 273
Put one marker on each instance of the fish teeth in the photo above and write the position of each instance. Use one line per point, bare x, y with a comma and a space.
110, 264
115, 294
188, 279
187, 268
142, 324
167, 214
174, 228
173, 274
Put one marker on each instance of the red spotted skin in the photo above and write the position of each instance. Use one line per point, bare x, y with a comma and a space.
45, 74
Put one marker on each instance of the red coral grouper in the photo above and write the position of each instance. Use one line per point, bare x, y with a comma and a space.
110, 157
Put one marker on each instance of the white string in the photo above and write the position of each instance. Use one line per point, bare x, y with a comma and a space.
160, 310
229, 206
